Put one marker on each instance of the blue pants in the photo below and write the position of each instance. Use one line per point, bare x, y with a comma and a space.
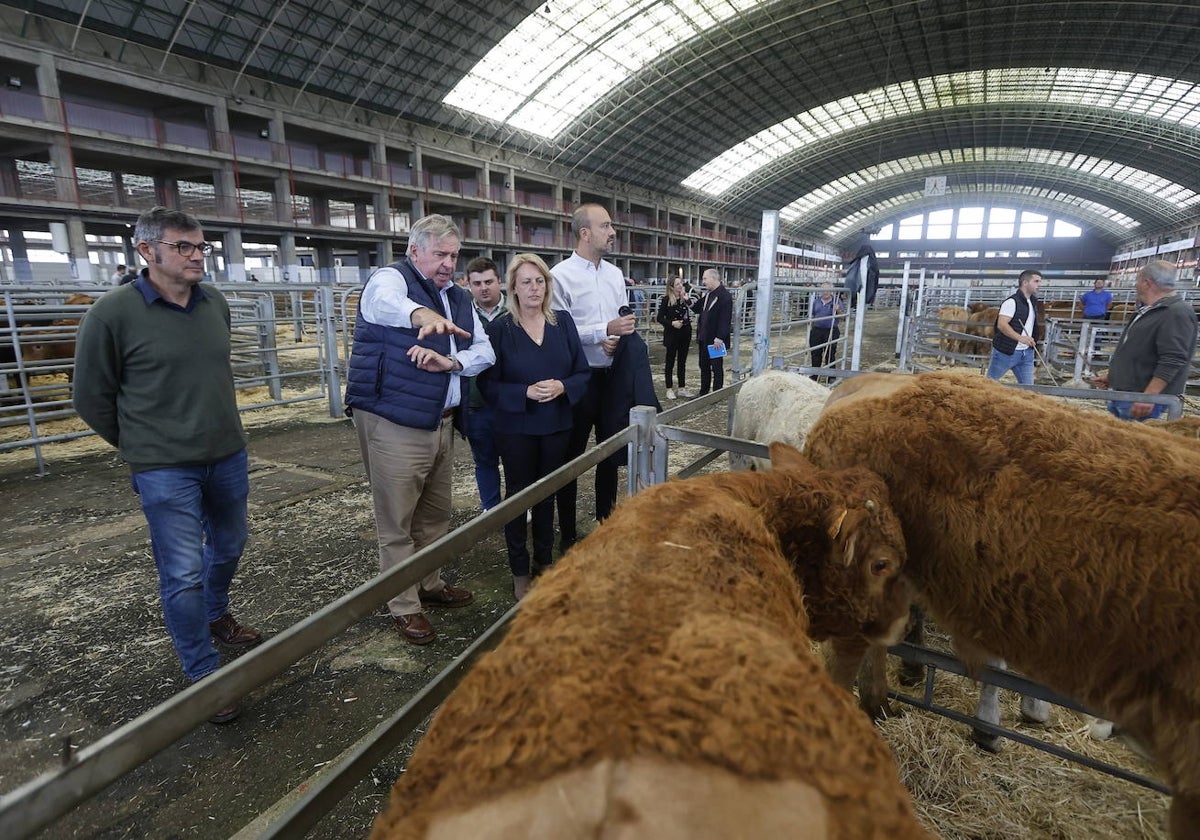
1020, 362
197, 518
1121, 410
481, 433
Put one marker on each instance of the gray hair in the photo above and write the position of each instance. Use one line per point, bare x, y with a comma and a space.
152, 223
1161, 273
432, 228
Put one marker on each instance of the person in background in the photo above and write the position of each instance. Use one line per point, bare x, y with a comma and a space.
1154, 353
675, 315
1098, 301
153, 378
115, 277
1013, 340
540, 373
824, 330
636, 297
715, 322
483, 280
592, 291
415, 337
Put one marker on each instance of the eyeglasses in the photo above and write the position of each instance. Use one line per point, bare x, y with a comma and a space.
186, 249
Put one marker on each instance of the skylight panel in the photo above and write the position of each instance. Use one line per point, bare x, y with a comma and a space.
552, 67
1155, 97
1162, 189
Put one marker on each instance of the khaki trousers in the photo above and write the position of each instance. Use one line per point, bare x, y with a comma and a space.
410, 472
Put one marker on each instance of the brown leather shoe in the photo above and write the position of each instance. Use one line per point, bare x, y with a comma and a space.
226, 715
415, 628
447, 596
230, 633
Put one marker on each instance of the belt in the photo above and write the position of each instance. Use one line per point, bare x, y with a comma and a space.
449, 412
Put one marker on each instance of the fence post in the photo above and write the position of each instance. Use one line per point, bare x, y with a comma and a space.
265, 306
333, 370
640, 473
768, 242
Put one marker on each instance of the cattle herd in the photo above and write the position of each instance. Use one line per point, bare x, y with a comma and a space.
660, 680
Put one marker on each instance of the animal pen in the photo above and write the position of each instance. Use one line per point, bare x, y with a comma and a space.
320, 318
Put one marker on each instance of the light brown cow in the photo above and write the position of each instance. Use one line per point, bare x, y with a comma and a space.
990, 484
660, 681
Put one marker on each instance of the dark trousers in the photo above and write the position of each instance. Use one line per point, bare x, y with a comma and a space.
712, 372
586, 415
821, 335
677, 354
527, 458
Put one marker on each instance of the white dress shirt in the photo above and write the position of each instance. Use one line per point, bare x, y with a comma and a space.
385, 301
593, 295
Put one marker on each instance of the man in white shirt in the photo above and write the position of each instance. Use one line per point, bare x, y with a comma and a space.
416, 337
592, 290
1013, 340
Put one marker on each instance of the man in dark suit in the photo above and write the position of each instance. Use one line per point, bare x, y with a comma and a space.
715, 311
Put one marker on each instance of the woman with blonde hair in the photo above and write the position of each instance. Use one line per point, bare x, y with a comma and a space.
540, 372
675, 315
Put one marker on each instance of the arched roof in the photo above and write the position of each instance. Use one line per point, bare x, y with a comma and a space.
649, 92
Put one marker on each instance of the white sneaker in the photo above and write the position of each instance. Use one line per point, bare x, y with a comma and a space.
670, 393
685, 394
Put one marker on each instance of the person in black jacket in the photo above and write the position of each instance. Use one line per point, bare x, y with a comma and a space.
715, 322
539, 375
675, 315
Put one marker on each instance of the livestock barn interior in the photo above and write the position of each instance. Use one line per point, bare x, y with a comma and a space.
963, 142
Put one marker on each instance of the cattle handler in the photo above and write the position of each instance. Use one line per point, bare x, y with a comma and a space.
153, 378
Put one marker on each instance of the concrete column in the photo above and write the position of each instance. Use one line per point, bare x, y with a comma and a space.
47, 81
166, 191
288, 261
225, 185
279, 152
10, 179
320, 210
361, 220
283, 200
418, 203
217, 117
383, 211
326, 270
383, 253
81, 266
22, 268
364, 261
235, 259
379, 161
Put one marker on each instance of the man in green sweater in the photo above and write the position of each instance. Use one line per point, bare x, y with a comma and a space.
153, 378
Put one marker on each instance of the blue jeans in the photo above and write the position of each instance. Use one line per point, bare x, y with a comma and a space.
1121, 410
481, 433
197, 518
1020, 362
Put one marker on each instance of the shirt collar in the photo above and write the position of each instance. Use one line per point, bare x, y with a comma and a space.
151, 294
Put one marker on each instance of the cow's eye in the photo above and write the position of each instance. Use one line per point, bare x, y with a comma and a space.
880, 567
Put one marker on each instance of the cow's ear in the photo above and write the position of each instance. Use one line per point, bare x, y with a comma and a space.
784, 456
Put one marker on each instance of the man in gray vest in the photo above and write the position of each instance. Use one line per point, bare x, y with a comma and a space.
417, 337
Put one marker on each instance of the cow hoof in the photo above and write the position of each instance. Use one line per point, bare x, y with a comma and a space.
986, 742
912, 674
1034, 710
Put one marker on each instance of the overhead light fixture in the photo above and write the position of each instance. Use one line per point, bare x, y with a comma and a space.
14, 82
238, 100
264, 133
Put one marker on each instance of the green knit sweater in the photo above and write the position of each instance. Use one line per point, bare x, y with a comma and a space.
156, 382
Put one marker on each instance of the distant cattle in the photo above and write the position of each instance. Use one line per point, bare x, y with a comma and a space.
991, 484
660, 681
55, 342
951, 320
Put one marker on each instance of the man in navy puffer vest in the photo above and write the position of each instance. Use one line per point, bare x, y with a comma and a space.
416, 338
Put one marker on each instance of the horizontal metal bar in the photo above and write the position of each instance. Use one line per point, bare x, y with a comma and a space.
42, 800
938, 661
324, 794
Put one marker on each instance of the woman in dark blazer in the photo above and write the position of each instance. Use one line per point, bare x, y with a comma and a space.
540, 372
675, 315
